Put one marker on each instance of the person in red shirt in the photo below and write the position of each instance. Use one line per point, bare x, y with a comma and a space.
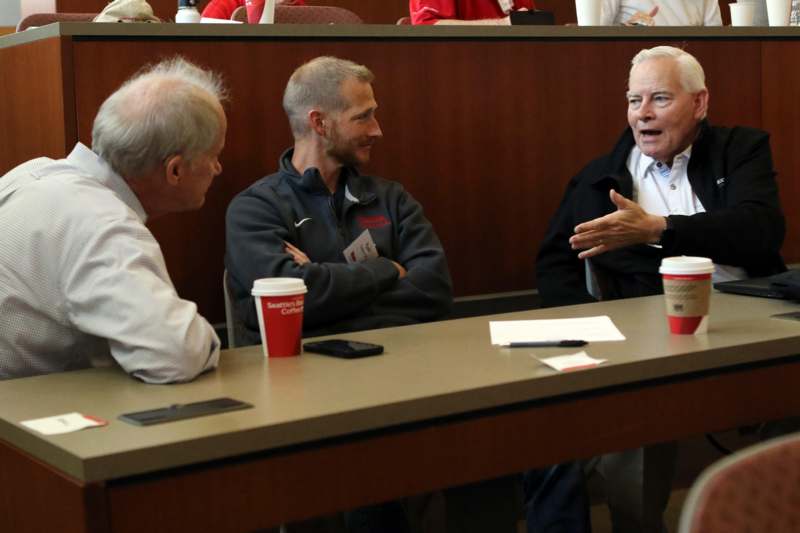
484, 12
223, 9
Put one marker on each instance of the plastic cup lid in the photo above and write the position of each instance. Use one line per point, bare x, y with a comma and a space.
686, 265
278, 287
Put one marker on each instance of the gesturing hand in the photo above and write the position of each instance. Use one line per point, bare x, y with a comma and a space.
297, 254
640, 18
628, 225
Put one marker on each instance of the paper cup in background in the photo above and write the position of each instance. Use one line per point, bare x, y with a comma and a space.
268, 15
255, 8
588, 12
743, 14
279, 304
779, 12
687, 291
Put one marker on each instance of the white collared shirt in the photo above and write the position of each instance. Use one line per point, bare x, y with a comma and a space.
670, 12
663, 191
82, 278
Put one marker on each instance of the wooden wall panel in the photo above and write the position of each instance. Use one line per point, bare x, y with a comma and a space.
37, 498
781, 87
37, 98
484, 133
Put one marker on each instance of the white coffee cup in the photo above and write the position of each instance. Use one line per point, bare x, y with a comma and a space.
687, 291
279, 304
268, 15
743, 13
779, 12
588, 12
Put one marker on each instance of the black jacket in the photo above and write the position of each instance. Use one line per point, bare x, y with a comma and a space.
731, 172
341, 297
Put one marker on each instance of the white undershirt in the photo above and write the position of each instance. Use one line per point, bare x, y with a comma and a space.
664, 191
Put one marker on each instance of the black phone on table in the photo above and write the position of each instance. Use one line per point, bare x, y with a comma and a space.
344, 348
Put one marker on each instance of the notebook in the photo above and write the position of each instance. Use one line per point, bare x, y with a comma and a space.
780, 286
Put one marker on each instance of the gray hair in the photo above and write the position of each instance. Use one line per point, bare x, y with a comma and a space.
317, 85
165, 109
693, 79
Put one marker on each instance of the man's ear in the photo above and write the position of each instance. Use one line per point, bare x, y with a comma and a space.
701, 104
317, 122
173, 169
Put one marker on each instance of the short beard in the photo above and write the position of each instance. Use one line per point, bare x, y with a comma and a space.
341, 155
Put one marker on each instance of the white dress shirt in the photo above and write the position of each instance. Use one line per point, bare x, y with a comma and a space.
82, 278
670, 12
663, 191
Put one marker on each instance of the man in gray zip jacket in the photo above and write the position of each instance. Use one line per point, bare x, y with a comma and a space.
299, 221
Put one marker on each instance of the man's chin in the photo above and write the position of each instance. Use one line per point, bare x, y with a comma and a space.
649, 150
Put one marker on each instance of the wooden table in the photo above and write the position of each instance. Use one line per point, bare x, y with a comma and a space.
442, 407
484, 126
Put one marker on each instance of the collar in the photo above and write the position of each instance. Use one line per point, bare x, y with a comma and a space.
617, 168
646, 163
312, 182
96, 168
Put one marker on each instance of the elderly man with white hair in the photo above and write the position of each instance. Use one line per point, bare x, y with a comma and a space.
672, 185
82, 280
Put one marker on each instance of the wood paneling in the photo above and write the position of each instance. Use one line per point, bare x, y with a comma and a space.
484, 133
38, 101
781, 87
36, 498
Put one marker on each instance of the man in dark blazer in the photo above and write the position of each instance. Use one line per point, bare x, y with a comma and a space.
672, 185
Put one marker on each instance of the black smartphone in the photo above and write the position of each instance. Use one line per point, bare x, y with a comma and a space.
183, 411
344, 348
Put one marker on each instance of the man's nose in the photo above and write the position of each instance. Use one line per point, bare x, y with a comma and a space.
645, 112
375, 129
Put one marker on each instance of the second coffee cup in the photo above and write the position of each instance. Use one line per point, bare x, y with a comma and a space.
687, 292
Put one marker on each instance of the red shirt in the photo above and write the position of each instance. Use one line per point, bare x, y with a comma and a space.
431, 11
223, 9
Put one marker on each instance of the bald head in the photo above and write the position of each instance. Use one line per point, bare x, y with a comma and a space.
171, 108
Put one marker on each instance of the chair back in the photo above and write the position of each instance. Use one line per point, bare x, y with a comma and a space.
315, 15
232, 327
305, 15
755, 489
35, 20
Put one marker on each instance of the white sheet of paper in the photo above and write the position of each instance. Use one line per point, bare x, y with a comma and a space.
576, 361
361, 249
589, 329
66, 423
